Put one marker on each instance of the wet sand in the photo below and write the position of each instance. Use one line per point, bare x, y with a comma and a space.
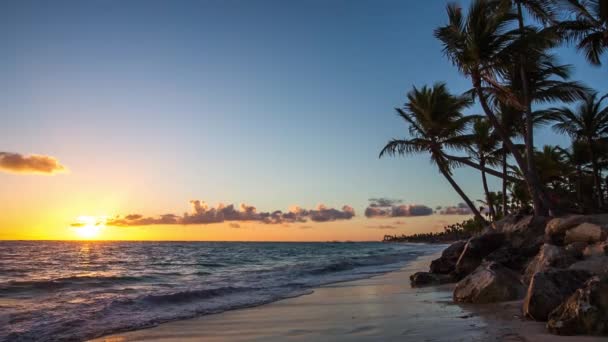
382, 308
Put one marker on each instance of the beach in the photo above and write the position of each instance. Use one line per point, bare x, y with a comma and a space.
381, 308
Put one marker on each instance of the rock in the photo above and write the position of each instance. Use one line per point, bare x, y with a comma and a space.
419, 279
597, 265
511, 257
490, 282
549, 256
549, 289
446, 264
585, 232
576, 249
556, 228
596, 250
475, 250
584, 312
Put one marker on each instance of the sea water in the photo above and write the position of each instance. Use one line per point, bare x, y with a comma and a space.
78, 290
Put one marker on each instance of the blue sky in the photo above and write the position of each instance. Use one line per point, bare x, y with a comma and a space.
269, 102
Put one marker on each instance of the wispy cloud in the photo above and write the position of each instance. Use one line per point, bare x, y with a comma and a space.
382, 226
201, 213
385, 207
32, 164
459, 209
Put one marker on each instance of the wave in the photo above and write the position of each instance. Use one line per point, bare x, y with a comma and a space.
58, 283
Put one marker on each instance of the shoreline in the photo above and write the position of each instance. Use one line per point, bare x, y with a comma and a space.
381, 307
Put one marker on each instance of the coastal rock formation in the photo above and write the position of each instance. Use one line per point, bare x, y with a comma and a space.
595, 250
597, 265
548, 289
490, 282
511, 257
585, 312
585, 232
576, 249
556, 228
419, 279
549, 256
446, 264
475, 250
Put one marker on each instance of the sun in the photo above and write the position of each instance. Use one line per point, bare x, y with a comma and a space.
89, 227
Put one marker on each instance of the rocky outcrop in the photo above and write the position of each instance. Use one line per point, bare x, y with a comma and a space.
585, 312
420, 279
556, 228
490, 282
548, 289
585, 232
576, 249
597, 265
511, 257
475, 250
549, 256
446, 264
595, 250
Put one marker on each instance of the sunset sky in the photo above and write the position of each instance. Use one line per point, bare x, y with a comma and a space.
114, 108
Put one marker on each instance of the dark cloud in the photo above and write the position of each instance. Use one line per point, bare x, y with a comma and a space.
234, 225
32, 164
201, 213
384, 207
383, 202
459, 209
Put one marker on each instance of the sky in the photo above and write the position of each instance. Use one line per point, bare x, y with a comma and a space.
143, 107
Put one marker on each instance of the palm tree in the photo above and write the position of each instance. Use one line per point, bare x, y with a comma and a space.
435, 122
587, 123
484, 148
481, 46
588, 27
577, 156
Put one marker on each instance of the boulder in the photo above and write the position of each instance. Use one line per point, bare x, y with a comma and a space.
419, 279
511, 257
585, 232
597, 265
549, 256
475, 250
576, 249
596, 250
490, 282
555, 230
446, 264
584, 312
548, 289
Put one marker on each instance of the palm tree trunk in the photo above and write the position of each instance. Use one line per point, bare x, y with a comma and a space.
597, 182
529, 137
534, 187
487, 191
505, 210
579, 186
464, 197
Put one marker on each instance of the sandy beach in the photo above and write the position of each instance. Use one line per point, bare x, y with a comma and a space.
382, 308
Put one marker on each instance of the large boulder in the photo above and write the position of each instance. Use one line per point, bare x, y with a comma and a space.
555, 230
576, 249
596, 265
475, 250
596, 250
549, 256
446, 264
549, 289
490, 282
584, 312
420, 279
511, 257
586, 232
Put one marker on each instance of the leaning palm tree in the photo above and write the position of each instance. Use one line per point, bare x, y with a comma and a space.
480, 45
435, 122
587, 123
587, 27
485, 149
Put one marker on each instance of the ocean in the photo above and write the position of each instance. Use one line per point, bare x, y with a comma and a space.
71, 291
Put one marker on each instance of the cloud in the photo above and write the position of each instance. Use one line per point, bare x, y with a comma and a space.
234, 225
32, 164
384, 207
382, 226
201, 213
459, 209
